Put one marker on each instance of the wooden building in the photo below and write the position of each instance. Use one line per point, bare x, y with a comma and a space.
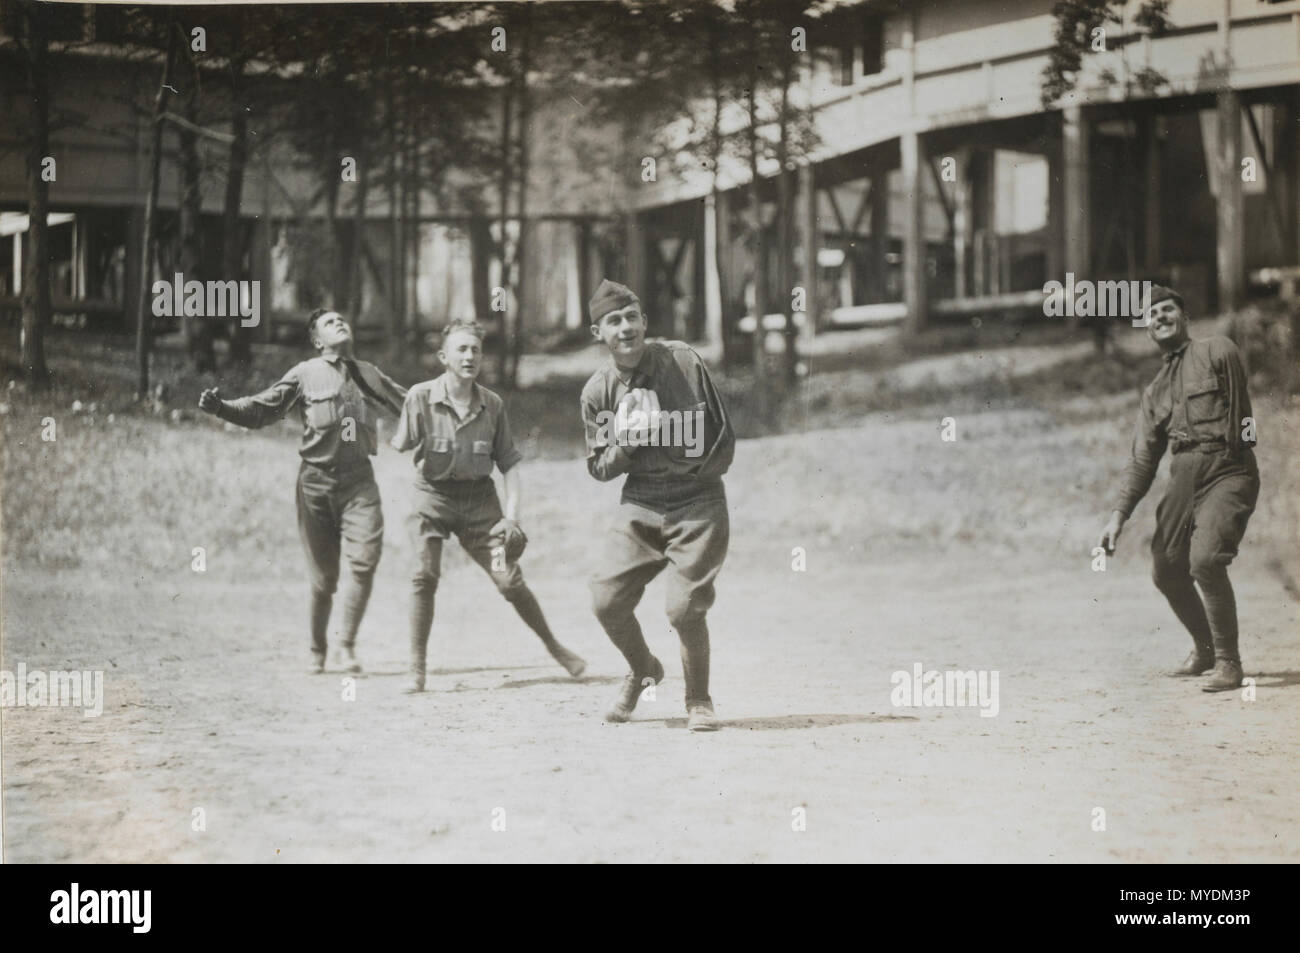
942, 186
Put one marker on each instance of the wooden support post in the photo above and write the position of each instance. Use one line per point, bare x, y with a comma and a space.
712, 277
726, 274
1294, 151
1286, 167
1231, 234
17, 285
635, 256
1077, 253
260, 267
132, 268
913, 166
1056, 212
878, 272
962, 224
1151, 192
699, 306
581, 274
811, 235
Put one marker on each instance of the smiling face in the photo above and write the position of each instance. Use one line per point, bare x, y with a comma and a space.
623, 332
1167, 324
462, 354
330, 331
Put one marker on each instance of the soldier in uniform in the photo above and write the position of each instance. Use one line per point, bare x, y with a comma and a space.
339, 398
1198, 407
673, 510
459, 430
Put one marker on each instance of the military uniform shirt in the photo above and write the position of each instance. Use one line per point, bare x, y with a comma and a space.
680, 379
338, 417
1198, 403
448, 447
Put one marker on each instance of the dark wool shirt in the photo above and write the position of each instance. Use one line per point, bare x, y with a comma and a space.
338, 415
1197, 403
680, 379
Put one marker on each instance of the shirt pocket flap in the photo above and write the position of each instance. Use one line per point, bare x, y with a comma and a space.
1205, 403
482, 446
439, 444
321, 406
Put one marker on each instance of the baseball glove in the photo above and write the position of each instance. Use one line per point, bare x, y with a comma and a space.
510, 536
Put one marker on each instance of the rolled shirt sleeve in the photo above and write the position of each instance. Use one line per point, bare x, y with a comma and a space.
410, 425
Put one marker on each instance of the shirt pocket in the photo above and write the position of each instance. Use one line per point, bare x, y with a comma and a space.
482, 458
322, 408
1205, 402
439, 455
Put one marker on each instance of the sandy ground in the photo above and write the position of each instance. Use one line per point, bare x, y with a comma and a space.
208, 704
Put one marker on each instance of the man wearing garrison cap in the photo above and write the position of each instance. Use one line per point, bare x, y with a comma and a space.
653, 414
1198, 407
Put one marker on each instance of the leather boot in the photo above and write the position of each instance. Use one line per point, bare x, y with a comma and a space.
416, 683
1225, 677
1198, 662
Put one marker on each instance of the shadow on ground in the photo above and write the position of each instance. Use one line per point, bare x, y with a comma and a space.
785, 722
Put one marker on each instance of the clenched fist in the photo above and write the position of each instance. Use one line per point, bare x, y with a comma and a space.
210, 401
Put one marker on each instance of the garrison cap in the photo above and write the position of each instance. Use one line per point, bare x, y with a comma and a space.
1160, 293
610, 296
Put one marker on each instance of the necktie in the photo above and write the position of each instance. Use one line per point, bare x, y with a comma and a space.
1178, 412
354, 372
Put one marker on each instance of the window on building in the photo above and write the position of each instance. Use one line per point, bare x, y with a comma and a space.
873, 45
861, 49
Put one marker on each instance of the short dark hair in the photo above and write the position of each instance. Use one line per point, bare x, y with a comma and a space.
316, 316
463, 324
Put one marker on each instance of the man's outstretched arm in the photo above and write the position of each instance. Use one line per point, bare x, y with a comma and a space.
255, 410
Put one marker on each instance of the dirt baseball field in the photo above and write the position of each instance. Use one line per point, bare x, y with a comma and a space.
862, 545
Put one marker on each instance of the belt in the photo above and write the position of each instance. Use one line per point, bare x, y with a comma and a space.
1203, 446
456, 486
339, 469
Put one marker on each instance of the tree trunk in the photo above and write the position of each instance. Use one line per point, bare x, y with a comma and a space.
715, 159
395, 322
503, 337
413, 279
36, 276
232, 250
198, 331
521, 249
760, 250
356, 273
338, 275
785, 232
480, 244
143, 336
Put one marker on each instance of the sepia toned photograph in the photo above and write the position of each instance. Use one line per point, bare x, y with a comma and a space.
718, 431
